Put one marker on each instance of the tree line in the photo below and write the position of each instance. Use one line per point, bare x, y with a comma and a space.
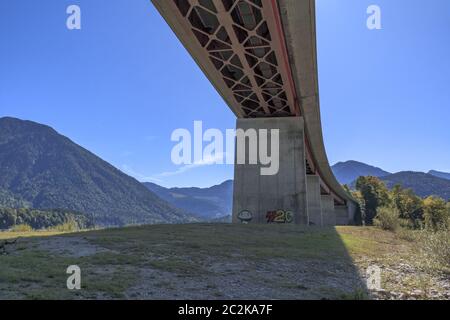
401, 206
43, 219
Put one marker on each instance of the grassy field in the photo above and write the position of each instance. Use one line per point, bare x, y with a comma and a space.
221, 261
31, 234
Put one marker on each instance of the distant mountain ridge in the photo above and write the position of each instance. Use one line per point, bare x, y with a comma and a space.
443, 175
349, 171
215, 203
42, 169
211, 203
423, 184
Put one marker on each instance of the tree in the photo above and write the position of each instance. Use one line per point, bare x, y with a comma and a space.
436, 213
43, 219
408, 204
375, 195
360, 214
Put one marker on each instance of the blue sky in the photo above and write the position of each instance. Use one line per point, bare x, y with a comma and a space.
122, 84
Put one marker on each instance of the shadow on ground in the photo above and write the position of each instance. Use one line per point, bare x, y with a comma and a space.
198, 261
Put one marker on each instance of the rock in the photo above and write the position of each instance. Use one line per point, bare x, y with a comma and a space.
417, 293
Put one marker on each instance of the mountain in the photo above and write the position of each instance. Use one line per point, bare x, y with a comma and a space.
348, 172
41, 169
443, 175
423, 184
211, 203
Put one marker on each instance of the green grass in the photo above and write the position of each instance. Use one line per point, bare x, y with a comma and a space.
5, 235
185, 253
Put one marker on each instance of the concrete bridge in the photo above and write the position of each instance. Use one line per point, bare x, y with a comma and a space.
261, 57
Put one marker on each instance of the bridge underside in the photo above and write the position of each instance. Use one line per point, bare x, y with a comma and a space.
260, 55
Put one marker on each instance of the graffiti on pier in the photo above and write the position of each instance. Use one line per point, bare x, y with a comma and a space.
280, 216
245, 216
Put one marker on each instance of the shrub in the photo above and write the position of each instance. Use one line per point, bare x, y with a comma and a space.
436, 213
407, 234
387, 219
21, 228
70, 226
435, 247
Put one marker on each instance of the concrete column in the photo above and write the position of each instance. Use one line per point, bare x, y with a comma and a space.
351, 212
328, 213
313, 198
279, 198
342, 218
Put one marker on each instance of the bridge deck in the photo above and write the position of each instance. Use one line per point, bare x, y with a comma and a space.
260, 55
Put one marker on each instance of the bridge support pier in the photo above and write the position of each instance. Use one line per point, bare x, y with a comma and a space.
314, 203
345, 215
342, 215
328, 212
279, 198
351, 212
